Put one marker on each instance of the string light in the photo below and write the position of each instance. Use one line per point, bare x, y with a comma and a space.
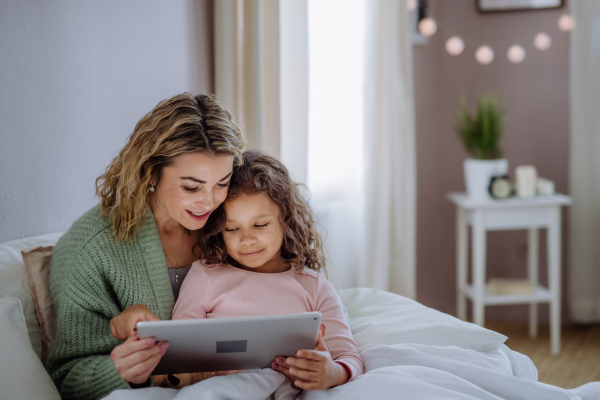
411, 5
427, 27
455, 45
516, 54
566, 23
542, 41
484, 55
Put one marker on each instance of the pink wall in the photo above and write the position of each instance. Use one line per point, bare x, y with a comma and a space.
536, 133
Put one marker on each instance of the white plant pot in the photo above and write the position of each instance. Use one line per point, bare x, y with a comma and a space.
478, 174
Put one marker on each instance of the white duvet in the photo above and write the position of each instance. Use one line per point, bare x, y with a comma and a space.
403, 371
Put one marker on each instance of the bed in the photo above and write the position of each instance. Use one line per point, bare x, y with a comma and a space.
410, 352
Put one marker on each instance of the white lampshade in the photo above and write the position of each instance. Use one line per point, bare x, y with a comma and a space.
455, 45
484, 55
566, 23
516, 54
411, 5
542, 41
427, 27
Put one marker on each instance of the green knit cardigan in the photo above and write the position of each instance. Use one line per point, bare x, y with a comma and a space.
93, 278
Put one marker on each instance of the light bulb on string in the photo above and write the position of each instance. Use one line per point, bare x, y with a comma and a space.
566, 23
516, 54
411, 5
542, 41
484, 55
427, 27
455, 45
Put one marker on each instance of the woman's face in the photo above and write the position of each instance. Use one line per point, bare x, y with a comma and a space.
190, 189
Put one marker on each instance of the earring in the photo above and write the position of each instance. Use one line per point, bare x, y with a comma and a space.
151, 188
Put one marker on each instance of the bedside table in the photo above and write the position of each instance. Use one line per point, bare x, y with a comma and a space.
514, 213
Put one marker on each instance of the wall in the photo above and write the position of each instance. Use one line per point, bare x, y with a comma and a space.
75, 77
536, 133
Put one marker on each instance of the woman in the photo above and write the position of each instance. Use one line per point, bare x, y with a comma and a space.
122, 261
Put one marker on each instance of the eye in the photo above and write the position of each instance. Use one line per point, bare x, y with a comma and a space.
223, 185
188, 189
231, 229
261, 226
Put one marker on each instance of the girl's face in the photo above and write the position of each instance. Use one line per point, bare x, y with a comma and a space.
253, 234
190, 189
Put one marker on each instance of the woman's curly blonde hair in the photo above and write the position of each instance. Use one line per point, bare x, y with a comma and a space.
302, 245
180, 125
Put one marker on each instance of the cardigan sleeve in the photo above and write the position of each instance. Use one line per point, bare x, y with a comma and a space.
79, 362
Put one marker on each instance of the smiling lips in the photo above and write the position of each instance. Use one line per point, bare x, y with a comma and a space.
198, 216
255, 253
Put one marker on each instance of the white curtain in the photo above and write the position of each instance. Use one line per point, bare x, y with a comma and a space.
584, 266
261, 74
389, 182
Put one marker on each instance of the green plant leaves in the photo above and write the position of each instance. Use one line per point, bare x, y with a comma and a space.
481, 132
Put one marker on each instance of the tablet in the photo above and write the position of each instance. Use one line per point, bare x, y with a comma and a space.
224, 344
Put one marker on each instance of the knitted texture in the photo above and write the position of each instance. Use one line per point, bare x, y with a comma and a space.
93, 278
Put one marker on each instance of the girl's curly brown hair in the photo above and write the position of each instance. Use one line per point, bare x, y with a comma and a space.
302, 245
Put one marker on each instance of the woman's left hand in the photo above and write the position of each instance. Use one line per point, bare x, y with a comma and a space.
313, 369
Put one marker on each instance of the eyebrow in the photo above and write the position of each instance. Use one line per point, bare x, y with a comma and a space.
191, 178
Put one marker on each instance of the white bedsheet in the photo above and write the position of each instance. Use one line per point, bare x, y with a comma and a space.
406, 371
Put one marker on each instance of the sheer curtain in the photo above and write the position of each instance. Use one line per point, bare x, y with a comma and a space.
261, 74
361, 141
584, 266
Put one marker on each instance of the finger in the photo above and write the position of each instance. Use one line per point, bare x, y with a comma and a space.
313, 355
308, 385
322, 328
134, 360
132, 345
304, 374
320, 342
139, 373
304, 363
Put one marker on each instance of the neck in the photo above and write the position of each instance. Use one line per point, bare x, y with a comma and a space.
165, 224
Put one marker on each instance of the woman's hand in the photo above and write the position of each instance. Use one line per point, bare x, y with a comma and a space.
313, 369
135, 359
123, 325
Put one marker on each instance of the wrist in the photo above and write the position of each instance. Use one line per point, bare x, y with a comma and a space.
342, 375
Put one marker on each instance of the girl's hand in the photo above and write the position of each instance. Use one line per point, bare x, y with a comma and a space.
135, 359
123, 325
314, 369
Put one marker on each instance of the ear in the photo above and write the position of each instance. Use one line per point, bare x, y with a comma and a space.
153, 181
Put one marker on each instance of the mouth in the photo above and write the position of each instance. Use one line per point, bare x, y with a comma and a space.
252, 254
198, 216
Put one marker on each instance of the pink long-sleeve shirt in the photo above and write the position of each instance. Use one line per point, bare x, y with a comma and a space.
218, 291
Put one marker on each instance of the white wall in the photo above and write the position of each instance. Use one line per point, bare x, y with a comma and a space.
75, 77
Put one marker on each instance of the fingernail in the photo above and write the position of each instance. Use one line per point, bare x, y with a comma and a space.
280, 360
135, 333
164, 346
275, 365
150, 341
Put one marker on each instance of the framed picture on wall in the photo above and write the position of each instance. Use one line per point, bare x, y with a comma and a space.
516, 5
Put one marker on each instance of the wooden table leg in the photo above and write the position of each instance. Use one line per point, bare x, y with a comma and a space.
532, 273
554, 274
461, 263
478, 260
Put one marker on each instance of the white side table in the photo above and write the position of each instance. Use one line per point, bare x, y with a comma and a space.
514, 213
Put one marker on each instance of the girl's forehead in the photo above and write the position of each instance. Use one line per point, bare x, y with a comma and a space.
250, 205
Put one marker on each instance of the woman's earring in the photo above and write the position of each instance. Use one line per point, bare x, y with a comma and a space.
151, 188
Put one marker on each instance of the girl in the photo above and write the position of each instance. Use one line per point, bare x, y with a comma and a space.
262, 254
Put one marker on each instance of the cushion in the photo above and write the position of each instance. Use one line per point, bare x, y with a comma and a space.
13, 279
37, 267
22, 375
379, 317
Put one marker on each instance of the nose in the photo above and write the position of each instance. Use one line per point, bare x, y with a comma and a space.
247, 238
206, 200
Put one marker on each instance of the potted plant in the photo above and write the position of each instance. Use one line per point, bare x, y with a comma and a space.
480, 133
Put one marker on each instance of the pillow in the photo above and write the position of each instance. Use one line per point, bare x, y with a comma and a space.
13, 280
380, 317
22, 375
37, 267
